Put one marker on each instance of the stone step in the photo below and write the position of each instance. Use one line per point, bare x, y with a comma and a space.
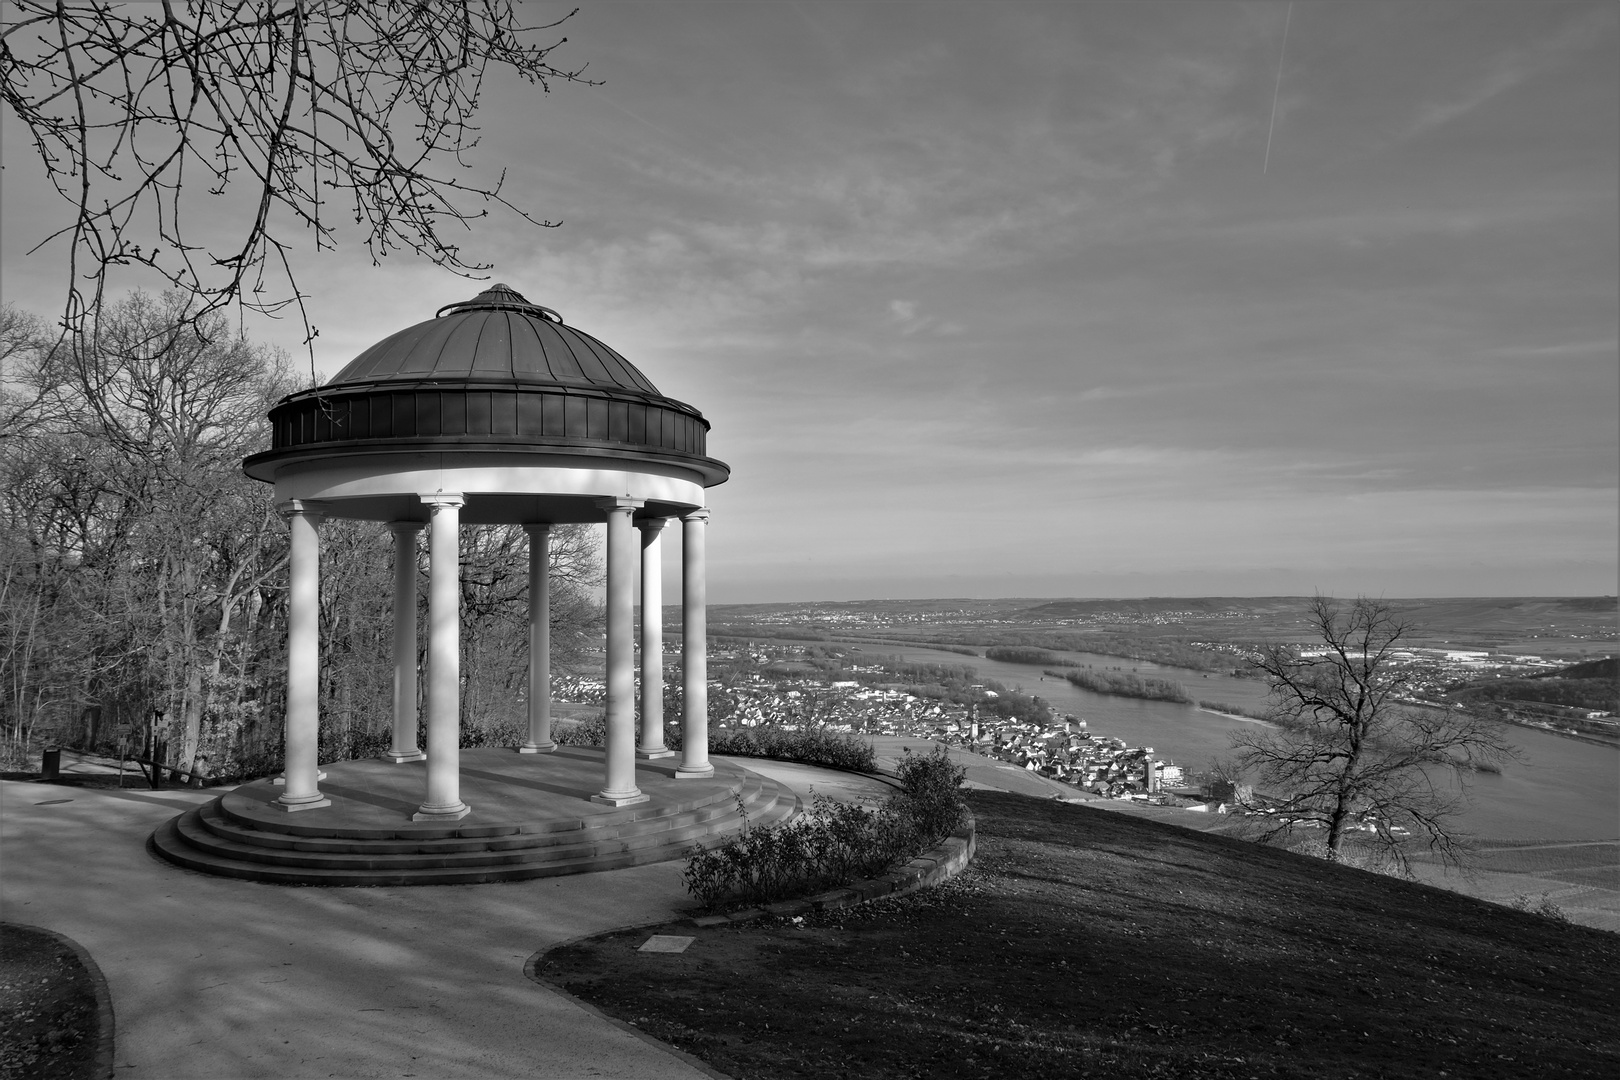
196, 832
210, 840
254, 816
216, 817
178, 853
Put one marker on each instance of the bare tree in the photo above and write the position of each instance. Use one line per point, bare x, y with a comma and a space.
153, 411
143, 114
140, 570
1348, 753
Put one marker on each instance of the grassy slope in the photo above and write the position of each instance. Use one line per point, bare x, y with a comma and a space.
1088, 943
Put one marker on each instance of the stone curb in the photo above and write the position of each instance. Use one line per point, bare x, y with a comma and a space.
930, 868
104, 1007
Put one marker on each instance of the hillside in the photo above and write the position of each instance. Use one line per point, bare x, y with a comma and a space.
1087, 943
1570, 627
1606, 668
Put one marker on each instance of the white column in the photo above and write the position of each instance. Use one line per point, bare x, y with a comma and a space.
444, 661
539, 741
694, 649
621, 787
404, 747
652, 642
302, 790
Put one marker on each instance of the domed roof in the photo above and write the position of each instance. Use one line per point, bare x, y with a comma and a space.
496, 335
494, 374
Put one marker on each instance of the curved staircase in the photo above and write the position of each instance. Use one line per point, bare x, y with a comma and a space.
532, 817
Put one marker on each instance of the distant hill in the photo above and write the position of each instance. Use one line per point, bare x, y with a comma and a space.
1567, 628
1607, 668
1159, 605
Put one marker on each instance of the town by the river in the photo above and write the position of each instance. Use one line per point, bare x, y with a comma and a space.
1561, 788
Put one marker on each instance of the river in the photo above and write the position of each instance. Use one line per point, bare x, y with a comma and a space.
1560, 789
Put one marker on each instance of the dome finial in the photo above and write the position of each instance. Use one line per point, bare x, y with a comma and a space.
499, 297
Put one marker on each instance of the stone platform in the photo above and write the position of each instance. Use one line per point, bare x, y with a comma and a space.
532, 816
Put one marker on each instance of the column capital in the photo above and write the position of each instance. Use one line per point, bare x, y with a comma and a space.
405, 528
440, 499
700, 514
537, 528
618, 502
315, 512
651, 526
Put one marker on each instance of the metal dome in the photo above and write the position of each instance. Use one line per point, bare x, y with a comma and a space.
496, 335
494, 373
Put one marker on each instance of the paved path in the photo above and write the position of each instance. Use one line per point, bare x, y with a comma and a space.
215, 978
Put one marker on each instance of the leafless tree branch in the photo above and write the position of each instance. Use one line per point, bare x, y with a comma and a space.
1348, 754
141, 114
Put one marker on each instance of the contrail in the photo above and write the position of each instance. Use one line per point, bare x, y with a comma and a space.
1278, 89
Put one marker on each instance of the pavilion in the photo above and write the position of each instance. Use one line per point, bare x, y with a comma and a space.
495, 411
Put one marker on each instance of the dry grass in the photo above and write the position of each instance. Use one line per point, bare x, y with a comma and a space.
1084, 943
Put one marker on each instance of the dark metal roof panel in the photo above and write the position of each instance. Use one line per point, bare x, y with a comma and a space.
528, 354
591, 368
497, 333
494, 352
559, 358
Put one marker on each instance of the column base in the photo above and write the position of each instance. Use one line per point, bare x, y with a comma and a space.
649, 755
701, 773
399, 758
621, 799
442, 813
537, 748
280, 780
306, 802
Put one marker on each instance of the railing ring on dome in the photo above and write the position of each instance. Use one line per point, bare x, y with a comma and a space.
492, 299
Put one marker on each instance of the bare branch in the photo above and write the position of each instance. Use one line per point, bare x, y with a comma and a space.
1347, 755
369, 102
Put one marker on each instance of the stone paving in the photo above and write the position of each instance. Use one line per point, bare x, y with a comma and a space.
217, 978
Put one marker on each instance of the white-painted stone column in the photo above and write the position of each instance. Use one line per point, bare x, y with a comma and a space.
652, 642
404, 747
444, 661
539, 741
695, 762
621, 788
302, 789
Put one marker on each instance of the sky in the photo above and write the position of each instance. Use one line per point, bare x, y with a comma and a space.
1072, 299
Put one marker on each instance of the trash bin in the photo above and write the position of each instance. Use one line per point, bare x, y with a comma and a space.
50, 764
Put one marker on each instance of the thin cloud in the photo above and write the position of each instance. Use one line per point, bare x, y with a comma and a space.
1511, 70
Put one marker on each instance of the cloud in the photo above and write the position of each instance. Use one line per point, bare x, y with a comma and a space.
1511, 69
904, 317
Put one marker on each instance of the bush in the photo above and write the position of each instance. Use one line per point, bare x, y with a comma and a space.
811, 746
1546, 908
932, 793
835, 843
592, 732
493, 731
830, 846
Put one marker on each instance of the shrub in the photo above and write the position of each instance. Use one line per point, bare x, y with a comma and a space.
830, 846
812, 746
493, 731
834, 843
1546, 908
932, 793
592, 732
